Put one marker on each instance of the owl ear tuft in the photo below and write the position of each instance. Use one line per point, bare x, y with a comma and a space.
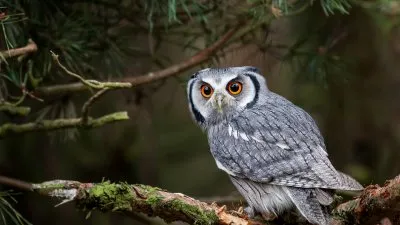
198, 72
251, 69
194, 75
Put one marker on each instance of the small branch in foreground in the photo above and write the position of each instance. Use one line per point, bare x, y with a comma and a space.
197, 59
48, 125
30, 47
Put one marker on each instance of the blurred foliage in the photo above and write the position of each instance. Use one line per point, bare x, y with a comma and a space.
7, 210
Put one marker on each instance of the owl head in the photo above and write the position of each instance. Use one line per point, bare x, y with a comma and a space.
218, 94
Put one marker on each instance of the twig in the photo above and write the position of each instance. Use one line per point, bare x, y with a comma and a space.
103, 86
48, 125
90, 83
14, 110
88, 103
30, 47
173, 70
16, 183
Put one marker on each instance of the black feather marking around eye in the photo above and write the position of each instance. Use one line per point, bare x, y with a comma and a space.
257, 87
197, 115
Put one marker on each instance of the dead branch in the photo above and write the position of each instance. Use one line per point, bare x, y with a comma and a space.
30, 47
88, 104
134, 80
374, 204
49, 125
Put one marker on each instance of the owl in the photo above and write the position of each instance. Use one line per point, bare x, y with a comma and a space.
271, 149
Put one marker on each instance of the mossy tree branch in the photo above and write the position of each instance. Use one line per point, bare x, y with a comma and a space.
130, 199
14, 110
374, 203
9, 129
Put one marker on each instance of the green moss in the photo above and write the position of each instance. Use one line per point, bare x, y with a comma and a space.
153, 198
159, 203
110, 196
200, 217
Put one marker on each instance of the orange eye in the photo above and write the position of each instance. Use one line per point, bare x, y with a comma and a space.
206, 90
234, 87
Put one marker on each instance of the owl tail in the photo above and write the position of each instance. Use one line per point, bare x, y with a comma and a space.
308, 202
349, 183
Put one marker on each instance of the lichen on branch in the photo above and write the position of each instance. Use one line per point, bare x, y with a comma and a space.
14, 110
48, 125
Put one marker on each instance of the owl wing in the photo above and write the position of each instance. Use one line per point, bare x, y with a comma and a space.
277, 143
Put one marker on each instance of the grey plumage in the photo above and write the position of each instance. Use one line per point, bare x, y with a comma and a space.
271, 149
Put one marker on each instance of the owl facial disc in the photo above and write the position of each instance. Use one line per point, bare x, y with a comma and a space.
218, 94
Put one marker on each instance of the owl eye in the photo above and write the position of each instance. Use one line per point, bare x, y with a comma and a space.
206, 90
234, 87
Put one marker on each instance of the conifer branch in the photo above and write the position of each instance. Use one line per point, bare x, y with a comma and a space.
134, 80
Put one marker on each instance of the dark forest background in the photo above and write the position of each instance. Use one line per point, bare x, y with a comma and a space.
339, 60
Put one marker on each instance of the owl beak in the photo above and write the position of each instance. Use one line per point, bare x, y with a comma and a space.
219, 102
